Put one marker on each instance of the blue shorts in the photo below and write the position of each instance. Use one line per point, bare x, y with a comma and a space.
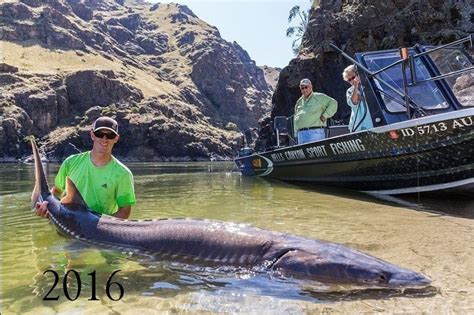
311, 135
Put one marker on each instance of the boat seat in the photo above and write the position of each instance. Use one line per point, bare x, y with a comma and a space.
281, 126
333, 131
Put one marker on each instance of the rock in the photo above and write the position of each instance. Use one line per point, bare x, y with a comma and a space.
18, 11
13, 129
120, 33
86, 88
81, 10
9, 79
131, 21
7, 68
187, 38
271, 75
93, 113
155, 45
464, 90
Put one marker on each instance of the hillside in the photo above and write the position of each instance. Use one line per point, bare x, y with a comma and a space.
178, 90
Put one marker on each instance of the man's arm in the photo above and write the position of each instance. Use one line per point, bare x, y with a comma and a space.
57, 192
355, 98
125, 196
123, 212
330, 110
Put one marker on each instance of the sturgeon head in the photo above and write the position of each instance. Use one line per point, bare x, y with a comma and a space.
333, 263
71, 216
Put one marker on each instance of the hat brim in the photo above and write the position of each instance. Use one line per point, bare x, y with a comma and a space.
107, 128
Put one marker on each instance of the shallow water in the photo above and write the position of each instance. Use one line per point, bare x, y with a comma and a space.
432, 236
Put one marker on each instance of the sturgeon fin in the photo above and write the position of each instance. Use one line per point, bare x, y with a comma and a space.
41, 190
73, 196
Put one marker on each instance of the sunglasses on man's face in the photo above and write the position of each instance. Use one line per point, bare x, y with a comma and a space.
109, 135
304, 87
351, 78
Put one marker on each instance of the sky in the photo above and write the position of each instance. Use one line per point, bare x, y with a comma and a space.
258, 26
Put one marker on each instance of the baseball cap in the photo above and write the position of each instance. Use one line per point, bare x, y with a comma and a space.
305, 82
105, 123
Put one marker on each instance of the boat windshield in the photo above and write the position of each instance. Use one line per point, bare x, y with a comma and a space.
454, 59
426, 95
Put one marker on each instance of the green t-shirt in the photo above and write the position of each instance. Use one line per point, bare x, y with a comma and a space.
104, 189
308, 112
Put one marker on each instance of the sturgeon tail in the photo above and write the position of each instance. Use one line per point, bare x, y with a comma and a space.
41, 190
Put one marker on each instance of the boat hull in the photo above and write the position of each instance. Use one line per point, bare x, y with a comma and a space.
426, 154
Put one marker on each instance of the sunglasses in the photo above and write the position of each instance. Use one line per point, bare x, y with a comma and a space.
109, 135
351, 78
304, 87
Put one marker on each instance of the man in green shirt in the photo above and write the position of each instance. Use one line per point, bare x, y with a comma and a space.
311, 113
103, 181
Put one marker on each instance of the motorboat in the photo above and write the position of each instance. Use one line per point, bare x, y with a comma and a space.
421, 102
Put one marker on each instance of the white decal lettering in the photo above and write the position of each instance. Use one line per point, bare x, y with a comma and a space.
319, 151
351, 146
407, 132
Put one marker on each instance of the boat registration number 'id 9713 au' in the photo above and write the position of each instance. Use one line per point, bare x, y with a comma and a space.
437, 127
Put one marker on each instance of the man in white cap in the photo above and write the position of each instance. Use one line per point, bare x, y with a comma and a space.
311, 113
103, 181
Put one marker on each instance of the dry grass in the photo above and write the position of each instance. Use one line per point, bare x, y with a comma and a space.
31, 57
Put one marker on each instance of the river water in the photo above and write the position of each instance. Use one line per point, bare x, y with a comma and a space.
434, 236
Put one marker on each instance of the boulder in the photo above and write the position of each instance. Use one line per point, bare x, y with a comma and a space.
101, 88
7, 68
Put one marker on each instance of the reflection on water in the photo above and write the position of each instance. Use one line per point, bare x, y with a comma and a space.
434, 237
459, 205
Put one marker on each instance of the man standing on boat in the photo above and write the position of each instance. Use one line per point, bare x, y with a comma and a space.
360, 116
311, 113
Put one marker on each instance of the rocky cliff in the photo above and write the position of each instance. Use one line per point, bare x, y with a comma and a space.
364, 25
178, 90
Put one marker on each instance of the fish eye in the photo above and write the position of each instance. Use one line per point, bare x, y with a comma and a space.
383, 277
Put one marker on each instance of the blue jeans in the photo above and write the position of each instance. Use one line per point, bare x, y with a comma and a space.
311, 135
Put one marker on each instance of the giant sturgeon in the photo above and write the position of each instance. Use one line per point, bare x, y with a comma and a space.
207, 242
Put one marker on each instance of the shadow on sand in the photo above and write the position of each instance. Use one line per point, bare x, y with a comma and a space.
452, 205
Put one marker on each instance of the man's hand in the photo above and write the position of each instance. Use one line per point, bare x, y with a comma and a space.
123, 213
323, 119
356, 81
41, 209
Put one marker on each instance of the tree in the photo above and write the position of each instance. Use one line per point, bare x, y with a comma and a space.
297, 31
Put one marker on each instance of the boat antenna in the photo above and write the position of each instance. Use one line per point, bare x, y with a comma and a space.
404, 55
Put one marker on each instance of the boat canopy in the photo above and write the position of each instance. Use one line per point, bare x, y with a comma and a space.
423, 81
